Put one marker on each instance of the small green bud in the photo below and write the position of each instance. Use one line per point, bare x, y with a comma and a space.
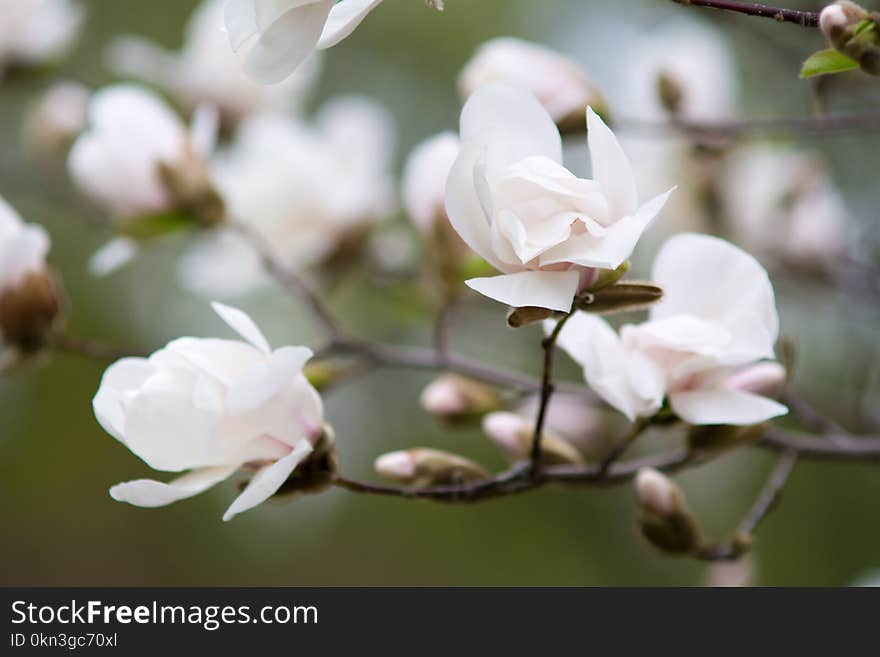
665, 520
622, 297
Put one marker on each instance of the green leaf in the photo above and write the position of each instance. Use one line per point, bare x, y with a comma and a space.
827, 61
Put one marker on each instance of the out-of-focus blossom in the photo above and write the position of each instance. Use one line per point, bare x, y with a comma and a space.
57, 119
781, 203
37, 31
454, 397
424, 180
138, 158
304, 188
212, 407
559, 84
514, 204
717, 318
205, 70
274, 37
29, 301
576, 418
514, 435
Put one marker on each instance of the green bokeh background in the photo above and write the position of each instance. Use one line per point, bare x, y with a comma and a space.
61, 527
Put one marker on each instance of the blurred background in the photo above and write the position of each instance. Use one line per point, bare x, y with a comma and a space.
57, 464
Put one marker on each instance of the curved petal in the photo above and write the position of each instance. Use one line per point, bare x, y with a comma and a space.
623, 378
720, 406
122, 377
718, 282
543, 289
151, 494
344, 18
611, 167
615, 246
242, 324
113, 256
266, 379
287, 42
510, 124
268, 480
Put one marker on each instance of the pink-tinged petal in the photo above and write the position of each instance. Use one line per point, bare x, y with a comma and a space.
543, 289
613, 247
242, 324
721, 406
611, 167
150, 494
268, 480
344, 19
287, 42
716, 281
257, 386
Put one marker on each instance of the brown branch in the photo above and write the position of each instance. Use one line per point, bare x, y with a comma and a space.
830, 447
91, 349
796, 16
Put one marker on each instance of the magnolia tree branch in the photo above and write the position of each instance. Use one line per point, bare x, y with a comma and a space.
88, 348
799, 17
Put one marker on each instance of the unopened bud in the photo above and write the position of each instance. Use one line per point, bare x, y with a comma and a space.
423, 467
190, 187
57, 119
765, 379
665, 520
514, 435
454, 398
28, 312
836, 21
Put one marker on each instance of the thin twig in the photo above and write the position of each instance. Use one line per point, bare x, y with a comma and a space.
796, 16
91, 349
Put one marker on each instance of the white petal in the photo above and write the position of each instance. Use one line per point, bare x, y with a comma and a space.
623, 378
615, 246
151, 494
424, 178
266, 379
543, 289
268, 480
344, 18
611, 167
242, 324
113, 256
205, 130
718, 282
126, 375
720, 406
241, 21
287, 43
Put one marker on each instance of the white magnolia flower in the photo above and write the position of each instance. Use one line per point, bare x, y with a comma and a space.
304, 188
211, 407
133, 134
512, 201
35, 31
717, 319
276, 36
57, 119
563, 88
424, 179
205, 70
782, 203
23, 248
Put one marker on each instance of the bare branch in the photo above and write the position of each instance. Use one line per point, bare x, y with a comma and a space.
796, 16
91, 349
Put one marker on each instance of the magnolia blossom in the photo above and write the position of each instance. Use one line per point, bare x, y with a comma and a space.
512, 201
424, 179
58, 118
276, 36
782, 203
304, 188
716, 322
34, 31
133, 136
560, 85
211, 407
205, 70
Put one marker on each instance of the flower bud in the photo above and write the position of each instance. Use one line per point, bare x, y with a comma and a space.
670, 92
316, 473
560, 85
28, 312
456, 398
665, 520
836, 20
514, 434
423, 467
57, 119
